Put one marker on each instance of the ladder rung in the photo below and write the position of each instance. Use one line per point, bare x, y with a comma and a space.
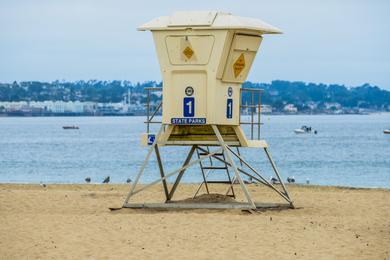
221, 182
218, 154
214, 167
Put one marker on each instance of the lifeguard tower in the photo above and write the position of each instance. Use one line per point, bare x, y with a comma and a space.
204, 59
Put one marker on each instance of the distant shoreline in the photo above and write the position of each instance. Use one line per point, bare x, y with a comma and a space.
144, 115
300, 185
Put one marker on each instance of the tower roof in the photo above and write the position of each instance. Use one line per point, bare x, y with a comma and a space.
208, 20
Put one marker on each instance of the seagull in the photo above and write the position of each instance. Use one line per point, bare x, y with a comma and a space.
107, 179
274, 180
291, 179
128, 180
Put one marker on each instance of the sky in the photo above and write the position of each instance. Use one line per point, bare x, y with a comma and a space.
342, 42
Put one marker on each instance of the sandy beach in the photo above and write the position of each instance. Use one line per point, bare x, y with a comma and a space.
74, 222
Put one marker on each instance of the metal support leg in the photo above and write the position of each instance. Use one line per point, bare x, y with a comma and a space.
141, 171
223, 160
228, 175
233, 165
188, 159
202, 170
267, 183
238, 152
200, 186
259, 178
146, 186
211, 160
277, 173
160, 166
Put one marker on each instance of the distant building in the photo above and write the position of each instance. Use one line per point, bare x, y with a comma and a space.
89, 107
266, 109
333, 106
290, 108
312, 105
58, 107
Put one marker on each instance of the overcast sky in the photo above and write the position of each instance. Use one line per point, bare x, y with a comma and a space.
345, 42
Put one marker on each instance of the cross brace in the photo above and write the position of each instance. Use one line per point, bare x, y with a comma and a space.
227, 160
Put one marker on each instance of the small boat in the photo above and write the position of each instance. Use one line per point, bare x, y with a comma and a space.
299, 131
386, 131
305, 130
70, 127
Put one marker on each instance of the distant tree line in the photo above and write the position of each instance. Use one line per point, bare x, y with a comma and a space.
301, 94
277, 93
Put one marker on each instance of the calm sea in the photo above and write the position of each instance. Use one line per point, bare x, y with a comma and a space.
349, 150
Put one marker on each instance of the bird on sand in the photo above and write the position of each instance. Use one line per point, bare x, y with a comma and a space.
107, 179
291, 179
274, 180
88, 180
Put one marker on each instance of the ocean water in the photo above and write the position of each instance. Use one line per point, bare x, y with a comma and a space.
349, 150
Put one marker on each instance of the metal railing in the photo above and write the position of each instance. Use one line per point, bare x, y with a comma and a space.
255, 104
150, 116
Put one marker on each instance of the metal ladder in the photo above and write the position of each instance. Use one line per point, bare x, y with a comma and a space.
207, 169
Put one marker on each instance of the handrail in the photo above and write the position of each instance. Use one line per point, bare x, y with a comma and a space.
149, 117
253, 106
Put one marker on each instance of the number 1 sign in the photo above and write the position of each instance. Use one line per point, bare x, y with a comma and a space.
189, 107
229, 108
